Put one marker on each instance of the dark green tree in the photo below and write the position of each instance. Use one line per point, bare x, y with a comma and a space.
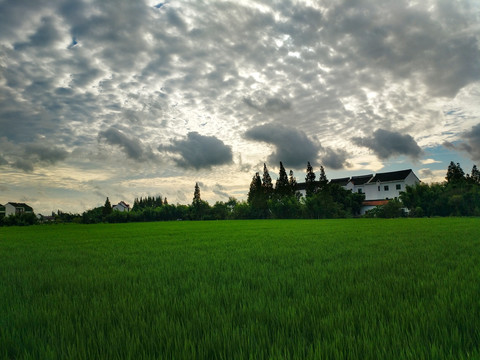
310, 184
322, 180
282, 187
292, 182
107, 208
196, 195
257, 200
256, 190
455, 174
475, 175
267, 184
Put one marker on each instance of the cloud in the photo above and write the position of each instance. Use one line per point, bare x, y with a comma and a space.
220, 191
335, 159
263, 103
386, 144
132, 147
23, 164
472, 142
45, 153
199, 152
3, 161
293, 147
430, 161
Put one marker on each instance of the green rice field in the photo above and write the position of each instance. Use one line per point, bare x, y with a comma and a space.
286, 289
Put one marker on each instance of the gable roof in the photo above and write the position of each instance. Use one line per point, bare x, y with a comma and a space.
340, 181
20, 205
361, 179
391, 176
123, 203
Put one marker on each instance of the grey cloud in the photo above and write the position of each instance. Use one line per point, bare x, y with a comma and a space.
45, 153
386, 144
199, 152
132, 147
472, 143
23, 164
46, 35
220, 191
261, 102
335, 159
293, 147
426, 172
3, 161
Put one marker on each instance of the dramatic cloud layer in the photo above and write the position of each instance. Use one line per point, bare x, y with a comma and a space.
472, 142
132, 147
293, 147
386, 144
89, 89
199, 152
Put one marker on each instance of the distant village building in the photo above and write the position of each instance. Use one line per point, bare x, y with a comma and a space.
121, 206
12, 208
378, 188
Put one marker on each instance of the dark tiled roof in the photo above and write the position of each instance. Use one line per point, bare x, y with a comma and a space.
340, 181
360, 180
21, 205
303, 185
391, 176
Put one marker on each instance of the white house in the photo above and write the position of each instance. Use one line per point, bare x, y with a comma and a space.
121, 206
378, 188
12, 208
389, 185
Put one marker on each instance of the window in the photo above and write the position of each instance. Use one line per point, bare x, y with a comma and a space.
378, 187
399, 186
385, 188
360, 191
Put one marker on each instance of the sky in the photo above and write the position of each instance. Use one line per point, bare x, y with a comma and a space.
125, 99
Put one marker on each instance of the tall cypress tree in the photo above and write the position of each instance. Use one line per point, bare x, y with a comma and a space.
282, 187
292, 182
107, 208
322, 180
196, 196
475, 176
310, 185
255, 189
267, 183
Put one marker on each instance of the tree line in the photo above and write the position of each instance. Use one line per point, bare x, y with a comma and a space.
264, 201
458, 195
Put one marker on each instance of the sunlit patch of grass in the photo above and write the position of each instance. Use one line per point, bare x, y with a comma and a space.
368, 288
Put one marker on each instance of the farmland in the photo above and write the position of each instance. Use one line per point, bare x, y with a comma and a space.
357, 288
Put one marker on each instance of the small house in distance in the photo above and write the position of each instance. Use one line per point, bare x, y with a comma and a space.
12, 208
121, 206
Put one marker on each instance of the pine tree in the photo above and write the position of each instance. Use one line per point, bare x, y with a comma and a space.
475, 176
292, 182
455, 173
107, 208
196, 196
165, 202
282, 187
255, 189
267, 183
310, 185
322, 181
